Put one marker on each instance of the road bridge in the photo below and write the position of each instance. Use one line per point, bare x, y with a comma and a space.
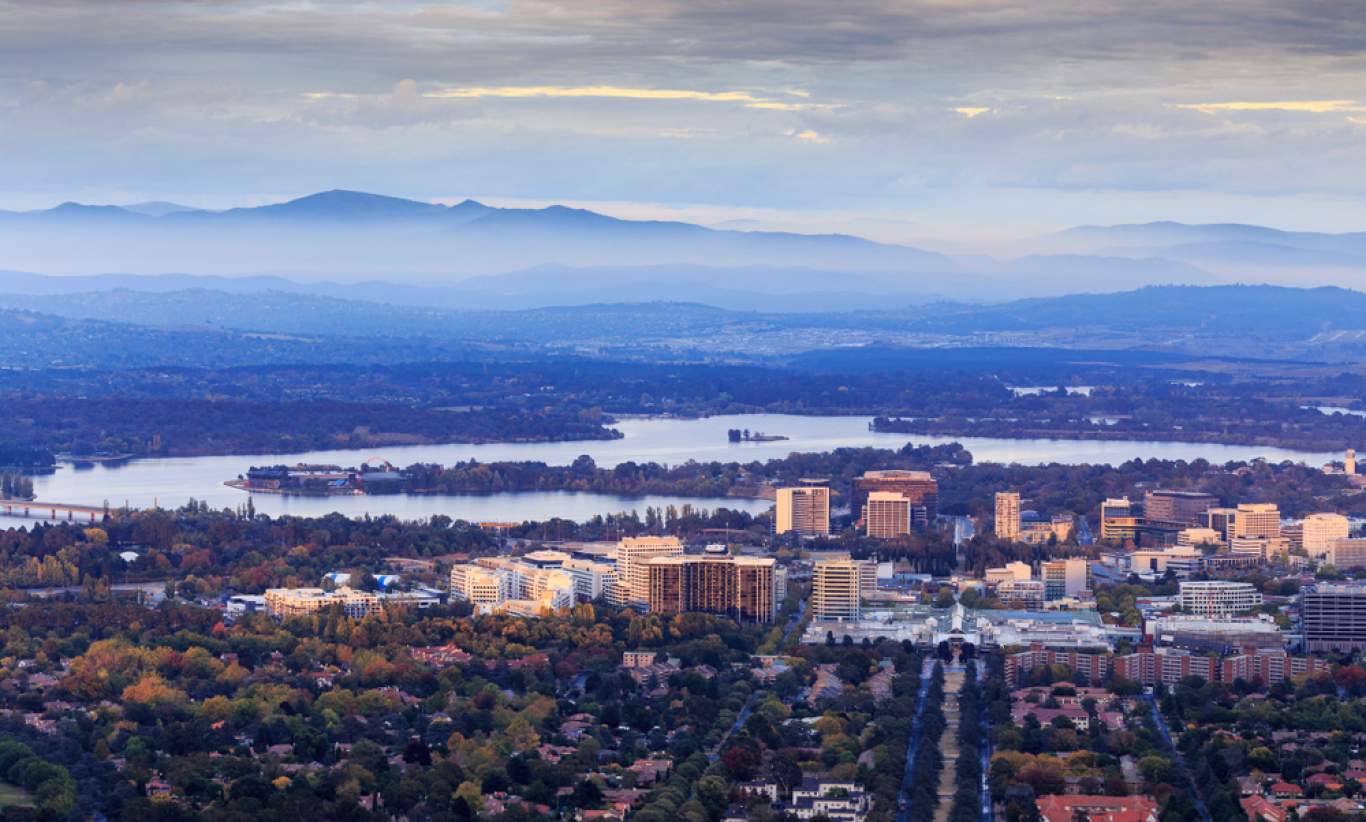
52, 510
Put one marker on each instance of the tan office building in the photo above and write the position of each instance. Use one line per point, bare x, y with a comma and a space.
887, 515
918, 487
1256, 520
1320, 531
804, 509
1346, 553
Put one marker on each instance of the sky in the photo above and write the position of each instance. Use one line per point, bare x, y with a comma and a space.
961, 120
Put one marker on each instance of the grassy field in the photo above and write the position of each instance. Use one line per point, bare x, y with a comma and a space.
14, 796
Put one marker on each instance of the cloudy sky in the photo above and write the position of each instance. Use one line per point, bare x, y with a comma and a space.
953, 118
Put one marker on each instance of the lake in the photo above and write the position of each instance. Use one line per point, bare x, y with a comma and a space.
170, 482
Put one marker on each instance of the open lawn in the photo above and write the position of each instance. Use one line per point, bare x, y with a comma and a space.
14, 796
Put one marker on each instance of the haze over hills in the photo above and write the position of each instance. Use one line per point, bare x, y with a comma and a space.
1228, 249
278, 324
517, 258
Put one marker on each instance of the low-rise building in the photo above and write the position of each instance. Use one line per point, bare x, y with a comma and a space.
1218, 598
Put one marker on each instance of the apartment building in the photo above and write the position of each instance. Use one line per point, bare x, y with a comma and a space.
1007, 515
836, 588
283, 603
633, 577
739, 587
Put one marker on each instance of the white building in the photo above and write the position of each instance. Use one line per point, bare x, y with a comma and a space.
633, 573
1321, 531
591, 579
1218, 598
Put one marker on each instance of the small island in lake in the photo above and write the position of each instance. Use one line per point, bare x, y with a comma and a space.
746, 435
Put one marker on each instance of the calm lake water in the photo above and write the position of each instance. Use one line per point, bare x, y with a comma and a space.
170, 482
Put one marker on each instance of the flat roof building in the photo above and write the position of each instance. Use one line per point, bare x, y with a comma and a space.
919, 488
1218, 598
1177, 507
1007, 515
1334, 617
803, 510
887, 515
836, 589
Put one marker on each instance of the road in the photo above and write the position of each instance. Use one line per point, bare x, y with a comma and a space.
1161, 723
988, 809
904, 798
748, 708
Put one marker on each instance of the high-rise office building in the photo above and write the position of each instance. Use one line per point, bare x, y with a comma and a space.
1064, 578
632, 554
1007, 515
1257, 520
803, 509
918, 487
887, 515
836, 589
1221, 520
1320, 531
1334, 617
1177, 507
1119, 521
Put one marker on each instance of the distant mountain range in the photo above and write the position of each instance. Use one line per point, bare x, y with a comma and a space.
517, 257
1249, 321
1227, 249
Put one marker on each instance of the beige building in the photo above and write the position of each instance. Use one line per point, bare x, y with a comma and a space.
1064, 578
633, 577
1321, 531
1119, 521
478, 586
1257, 520
887, 515
1010, 572
1346, 553
804, 509
497, 584
1007, 515
283, 603
1192, 537
836, 589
